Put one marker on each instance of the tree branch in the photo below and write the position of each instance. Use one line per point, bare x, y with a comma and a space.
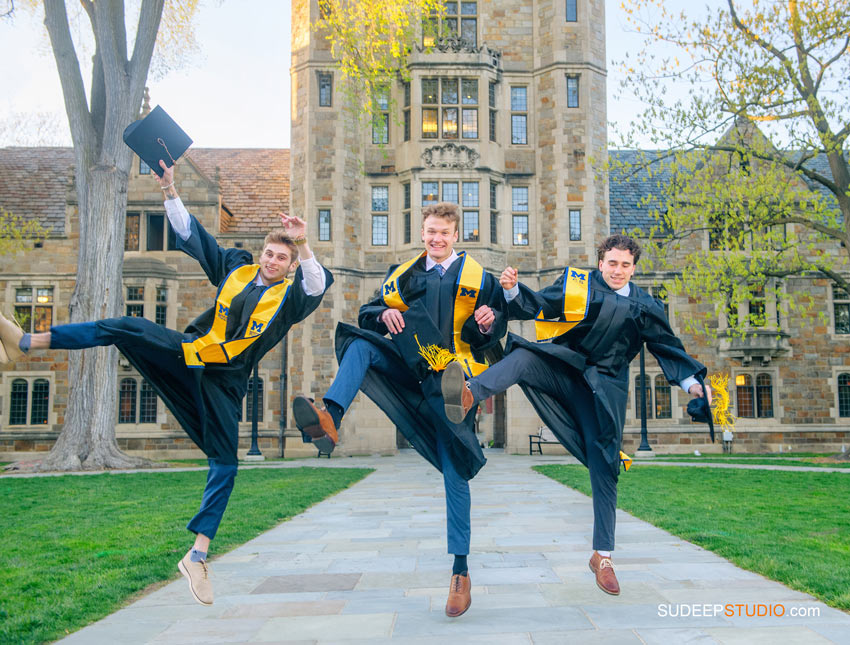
73, 90
834, 233
149, 19
808, 172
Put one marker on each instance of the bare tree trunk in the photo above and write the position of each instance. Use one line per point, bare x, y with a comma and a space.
102, 162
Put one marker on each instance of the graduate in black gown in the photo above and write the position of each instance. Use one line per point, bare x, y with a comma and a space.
202, 374
590, 325
439, 299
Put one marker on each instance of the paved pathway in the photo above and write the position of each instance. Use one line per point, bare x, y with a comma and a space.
369, 566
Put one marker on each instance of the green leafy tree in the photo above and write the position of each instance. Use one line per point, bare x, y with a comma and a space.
16, 232
371, 41
742, 213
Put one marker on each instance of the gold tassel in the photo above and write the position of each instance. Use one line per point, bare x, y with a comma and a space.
720, 410
625, 460
437, 357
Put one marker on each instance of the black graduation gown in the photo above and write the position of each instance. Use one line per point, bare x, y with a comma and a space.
207, 401
598, 351
417, 411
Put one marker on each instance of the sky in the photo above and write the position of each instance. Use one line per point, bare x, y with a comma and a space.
233, 93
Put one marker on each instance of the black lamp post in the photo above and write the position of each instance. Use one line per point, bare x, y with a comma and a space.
255, 395
644, 443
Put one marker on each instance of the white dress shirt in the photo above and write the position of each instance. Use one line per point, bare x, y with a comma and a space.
314, 275
430, 264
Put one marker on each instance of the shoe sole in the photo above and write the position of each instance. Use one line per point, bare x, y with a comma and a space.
186, 575
307, 421
452, 384
461, 613
610, 593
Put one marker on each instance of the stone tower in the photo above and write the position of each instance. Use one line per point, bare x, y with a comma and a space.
502, 116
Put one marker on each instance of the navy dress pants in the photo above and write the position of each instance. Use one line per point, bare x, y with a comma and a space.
219, 413
524, 367
361, 356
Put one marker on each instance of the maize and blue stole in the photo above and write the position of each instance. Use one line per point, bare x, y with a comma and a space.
212, 347
468, 288
576, 301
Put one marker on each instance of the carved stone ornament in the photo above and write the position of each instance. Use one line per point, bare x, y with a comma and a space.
457, 45
450, 155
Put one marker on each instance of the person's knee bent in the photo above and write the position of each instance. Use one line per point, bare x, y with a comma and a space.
361, 347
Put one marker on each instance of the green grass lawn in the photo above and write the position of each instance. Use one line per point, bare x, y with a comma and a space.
791, 527
783, 459
75, 548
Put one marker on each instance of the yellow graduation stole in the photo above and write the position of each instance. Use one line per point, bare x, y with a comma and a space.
576, 299
212, 346
469, 282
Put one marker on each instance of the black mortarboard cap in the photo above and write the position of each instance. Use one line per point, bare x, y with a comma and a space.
156, 137
419, 331
700, 410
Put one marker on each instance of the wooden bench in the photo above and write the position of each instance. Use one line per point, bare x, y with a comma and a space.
536, 441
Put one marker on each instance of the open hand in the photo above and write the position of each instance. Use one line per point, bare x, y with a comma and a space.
294, 226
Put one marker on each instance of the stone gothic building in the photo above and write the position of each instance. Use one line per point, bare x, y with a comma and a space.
503, 116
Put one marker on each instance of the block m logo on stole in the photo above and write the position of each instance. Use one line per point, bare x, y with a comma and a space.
468, 293
389, 288
256, 328
222, 311
577, 274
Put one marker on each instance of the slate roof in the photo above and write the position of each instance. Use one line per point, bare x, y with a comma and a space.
254, 185
633, 193
34, 183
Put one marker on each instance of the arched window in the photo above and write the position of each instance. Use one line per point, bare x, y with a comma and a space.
249, 401
764, 396
745, 396
18, 403
648, 389
40, 401
147, 404
127, 401
844, 395
663, 402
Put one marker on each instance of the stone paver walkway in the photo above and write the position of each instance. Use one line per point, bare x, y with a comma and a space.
369, 566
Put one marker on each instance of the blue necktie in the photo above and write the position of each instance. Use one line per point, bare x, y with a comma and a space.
440, 269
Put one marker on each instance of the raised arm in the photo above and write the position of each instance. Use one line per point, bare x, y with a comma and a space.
193, 239
314, 282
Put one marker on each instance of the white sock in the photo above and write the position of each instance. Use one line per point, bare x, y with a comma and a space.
604, 554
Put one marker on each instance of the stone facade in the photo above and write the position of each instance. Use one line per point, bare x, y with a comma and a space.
531, 200
161, 284
561, 66
516, 179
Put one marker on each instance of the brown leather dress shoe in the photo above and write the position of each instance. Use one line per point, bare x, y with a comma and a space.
460, 596
604, 570
457, 397
315, 422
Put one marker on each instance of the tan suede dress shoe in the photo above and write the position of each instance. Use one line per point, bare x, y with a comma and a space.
460, 595
604, 570
318, 424
198, 575
10, 337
